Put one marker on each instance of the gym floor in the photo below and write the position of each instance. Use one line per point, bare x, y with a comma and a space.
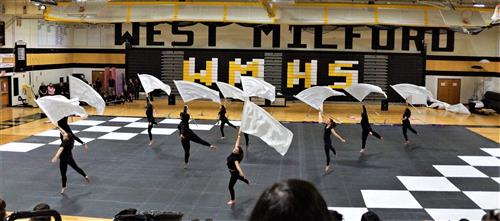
457, 154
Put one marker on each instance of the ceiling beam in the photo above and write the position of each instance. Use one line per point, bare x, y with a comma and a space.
268, 8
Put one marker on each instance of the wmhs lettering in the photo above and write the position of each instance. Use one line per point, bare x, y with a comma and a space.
409, 36
339, 69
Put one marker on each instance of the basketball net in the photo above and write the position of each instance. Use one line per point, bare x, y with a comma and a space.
496, 15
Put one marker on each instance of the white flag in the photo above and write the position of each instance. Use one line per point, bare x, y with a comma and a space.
256, 121
191, 91
229, 91
408, 90
57, 107
315, 96
84, 92
360, 91
258, 88
150, 83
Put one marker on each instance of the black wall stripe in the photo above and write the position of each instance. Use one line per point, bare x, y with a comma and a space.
461, 73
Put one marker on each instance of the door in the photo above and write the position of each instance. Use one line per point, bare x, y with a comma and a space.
449, 90
4, 91
95, 76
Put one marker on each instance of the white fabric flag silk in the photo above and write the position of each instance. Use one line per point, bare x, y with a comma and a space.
258, 88
315, 96
150, 83
256, 121
57, 107
408, 90
229, 91
360, 91
84, 92
191, 91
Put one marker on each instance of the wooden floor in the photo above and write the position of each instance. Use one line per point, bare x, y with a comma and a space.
295, 111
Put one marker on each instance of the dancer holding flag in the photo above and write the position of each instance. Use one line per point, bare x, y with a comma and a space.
187, 135
63, 124
151, 119
366, 129
223, 120
328, 130
407, 125
233, 164
65, 156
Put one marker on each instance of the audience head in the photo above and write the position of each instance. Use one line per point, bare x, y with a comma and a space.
331, 122
41, 207
491, 215
3, 213
291, 200
370, 216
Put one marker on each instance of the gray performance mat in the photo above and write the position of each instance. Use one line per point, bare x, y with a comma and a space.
447, 171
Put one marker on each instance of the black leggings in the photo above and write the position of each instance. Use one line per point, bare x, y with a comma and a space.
187, 145
63, 167
406, 126
235, 176
365, 134
224, 121
329, 147
74, 136
246, 139
150, 127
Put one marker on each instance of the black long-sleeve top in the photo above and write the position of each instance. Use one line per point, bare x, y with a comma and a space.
184, 124
365, 123
407, 115
67, 145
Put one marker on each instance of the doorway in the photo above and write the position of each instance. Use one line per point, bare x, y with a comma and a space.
4, 91
449, 90
98, 75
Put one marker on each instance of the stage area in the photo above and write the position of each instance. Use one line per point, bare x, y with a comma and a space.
446, 171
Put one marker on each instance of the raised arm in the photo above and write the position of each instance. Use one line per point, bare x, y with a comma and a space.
238, 139
337, 135
364, 109
320, 117
58, 153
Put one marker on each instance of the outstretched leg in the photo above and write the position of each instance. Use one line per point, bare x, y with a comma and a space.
193, 137
405, 129
150, 127
186, 146
222, 123
75, 167
364, 136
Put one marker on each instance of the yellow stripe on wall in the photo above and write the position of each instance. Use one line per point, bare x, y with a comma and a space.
77, 58
465, 66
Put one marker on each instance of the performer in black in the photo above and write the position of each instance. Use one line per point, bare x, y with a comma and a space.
328, 130
188, 135
223, 120
151, 119
407, 125
233, 164
366, 129
65, 156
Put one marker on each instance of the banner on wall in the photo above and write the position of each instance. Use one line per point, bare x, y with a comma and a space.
289, 71
7, 60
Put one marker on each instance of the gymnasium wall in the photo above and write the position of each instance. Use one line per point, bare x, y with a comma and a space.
36, 77
42, 34
55, 46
